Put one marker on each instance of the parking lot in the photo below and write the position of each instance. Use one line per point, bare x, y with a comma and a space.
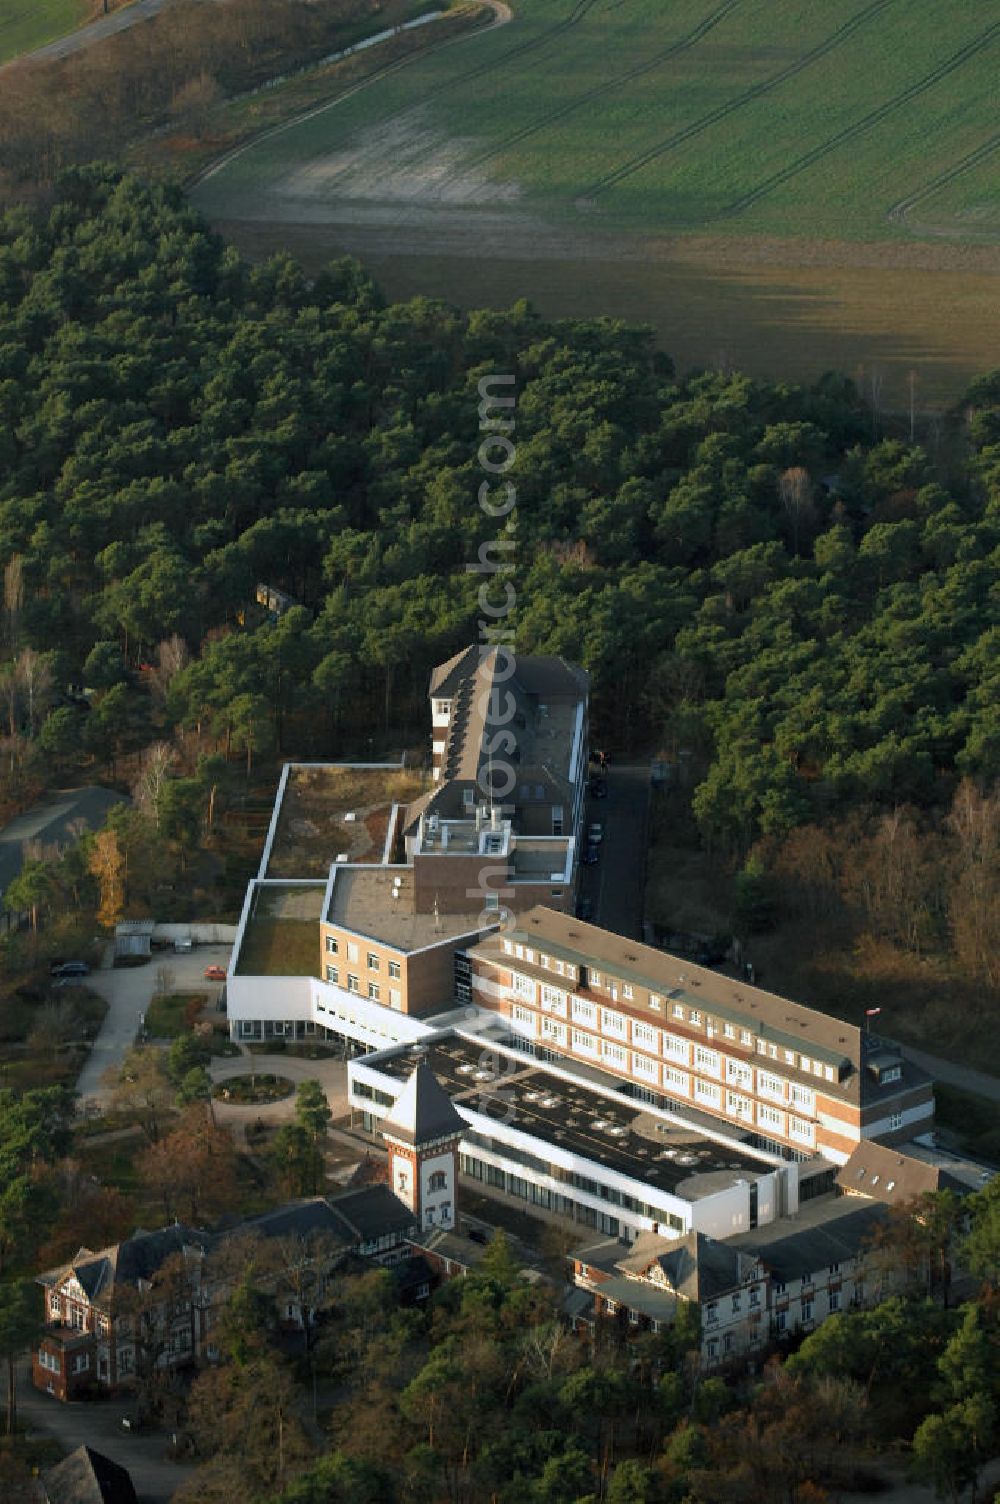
615, 884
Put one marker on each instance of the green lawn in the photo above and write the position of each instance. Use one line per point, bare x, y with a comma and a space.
165, 1015
778, 117
26, 24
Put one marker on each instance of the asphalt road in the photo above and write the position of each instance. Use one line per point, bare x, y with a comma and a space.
979, 1082
94, 31
129, 992
615, 886
98, 1424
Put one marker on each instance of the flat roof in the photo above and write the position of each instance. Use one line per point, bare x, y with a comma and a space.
281, 937
518, 1090
330, 809
379, 903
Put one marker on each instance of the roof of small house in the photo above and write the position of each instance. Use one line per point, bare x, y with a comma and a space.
88, 1477
881, 1172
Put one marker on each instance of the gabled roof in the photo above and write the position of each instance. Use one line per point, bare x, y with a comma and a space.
354, 1216
826, 1231
883, 1173
135, 1259
88, 1477
423, 1111
453, 1246
696, 1267
373, 1211
534, 686
446, 678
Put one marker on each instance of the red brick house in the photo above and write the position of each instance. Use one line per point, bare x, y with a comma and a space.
109, 1312
148, 1303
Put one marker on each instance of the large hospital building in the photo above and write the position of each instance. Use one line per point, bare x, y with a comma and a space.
600, 1079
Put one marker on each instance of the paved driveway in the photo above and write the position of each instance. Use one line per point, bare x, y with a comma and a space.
98, 1425
330, 1073
129, 992
616, 885
94, 31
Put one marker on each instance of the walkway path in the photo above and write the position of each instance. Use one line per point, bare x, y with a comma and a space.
129, 992
238, 1116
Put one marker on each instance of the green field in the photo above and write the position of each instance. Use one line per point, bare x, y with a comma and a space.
806, 149
780, 118
26, 24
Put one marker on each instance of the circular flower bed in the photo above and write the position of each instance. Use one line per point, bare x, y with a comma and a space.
253, 1089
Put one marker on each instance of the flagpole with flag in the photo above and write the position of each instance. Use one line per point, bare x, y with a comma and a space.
870, 1013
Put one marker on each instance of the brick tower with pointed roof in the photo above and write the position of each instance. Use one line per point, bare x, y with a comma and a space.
421, 1134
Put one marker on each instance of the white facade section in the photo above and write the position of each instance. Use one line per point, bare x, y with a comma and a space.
308, 1000
719, 1214
437, 1190
908, 1118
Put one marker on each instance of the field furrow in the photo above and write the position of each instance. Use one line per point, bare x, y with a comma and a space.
642, 159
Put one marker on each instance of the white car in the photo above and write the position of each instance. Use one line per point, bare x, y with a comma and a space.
595, 835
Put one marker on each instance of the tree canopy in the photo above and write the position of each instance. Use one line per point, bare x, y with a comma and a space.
751, 579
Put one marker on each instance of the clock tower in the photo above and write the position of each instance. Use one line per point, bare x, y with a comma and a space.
421, 1134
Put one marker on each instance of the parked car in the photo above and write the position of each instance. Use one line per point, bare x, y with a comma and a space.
182, 947
215, 973
595, 834
591, 856
71, 969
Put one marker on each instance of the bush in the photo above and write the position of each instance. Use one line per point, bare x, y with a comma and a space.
254, 1089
